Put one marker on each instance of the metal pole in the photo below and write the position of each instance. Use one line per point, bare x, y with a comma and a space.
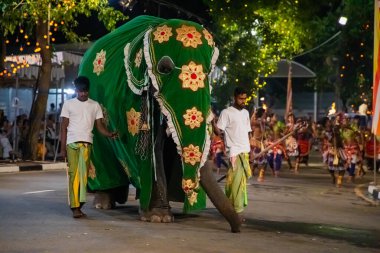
44, 139
15, 104
374, 160
315, 105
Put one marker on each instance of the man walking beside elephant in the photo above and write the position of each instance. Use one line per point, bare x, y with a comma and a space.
235, 123
78, 117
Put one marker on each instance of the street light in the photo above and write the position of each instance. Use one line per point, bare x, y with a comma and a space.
342, 21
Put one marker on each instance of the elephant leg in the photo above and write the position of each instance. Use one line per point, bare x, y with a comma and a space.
159, 208
218, 198
107, 199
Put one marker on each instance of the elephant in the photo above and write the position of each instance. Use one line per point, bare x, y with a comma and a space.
151, 78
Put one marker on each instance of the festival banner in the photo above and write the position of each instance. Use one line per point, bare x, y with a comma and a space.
376, 72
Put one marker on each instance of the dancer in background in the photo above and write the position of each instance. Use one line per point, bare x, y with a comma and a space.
257, 142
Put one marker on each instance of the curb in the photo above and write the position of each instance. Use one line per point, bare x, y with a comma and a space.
374, 190
32, 167
359, 193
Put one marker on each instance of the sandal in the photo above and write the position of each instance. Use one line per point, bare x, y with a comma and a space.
77, 213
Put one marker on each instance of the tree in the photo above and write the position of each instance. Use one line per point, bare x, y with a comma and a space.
35, 21
254, 35
356, 53
345, 63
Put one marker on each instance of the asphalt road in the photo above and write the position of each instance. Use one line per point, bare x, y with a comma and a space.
292, 213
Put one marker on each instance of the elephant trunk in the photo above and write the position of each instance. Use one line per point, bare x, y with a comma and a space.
218, 198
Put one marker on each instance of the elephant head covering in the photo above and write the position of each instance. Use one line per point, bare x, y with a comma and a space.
144, 71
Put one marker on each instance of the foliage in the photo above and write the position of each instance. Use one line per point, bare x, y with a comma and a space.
259, 33
24, 14
34, 21
345, 64
356, 53
254, 35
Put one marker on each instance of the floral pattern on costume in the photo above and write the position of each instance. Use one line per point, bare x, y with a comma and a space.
188, 186
99, 62
138, 58
189, 36
133, 119
208, 37
193, 118
192, 76
191, 154
162, 33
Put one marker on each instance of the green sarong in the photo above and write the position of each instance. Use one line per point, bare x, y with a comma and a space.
78, 155
236, 186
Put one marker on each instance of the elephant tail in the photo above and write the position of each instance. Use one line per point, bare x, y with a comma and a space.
218, 198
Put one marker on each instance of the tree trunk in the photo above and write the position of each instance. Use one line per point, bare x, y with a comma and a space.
2, 52
39, 104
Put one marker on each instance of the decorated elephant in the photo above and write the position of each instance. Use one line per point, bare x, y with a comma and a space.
151, 77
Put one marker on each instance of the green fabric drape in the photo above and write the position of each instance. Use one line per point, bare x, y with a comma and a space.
121, 66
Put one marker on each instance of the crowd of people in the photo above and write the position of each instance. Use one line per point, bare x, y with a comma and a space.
344, 141
13, 136
254, 144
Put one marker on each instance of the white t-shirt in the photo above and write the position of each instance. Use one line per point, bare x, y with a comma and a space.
236, 126
82, 116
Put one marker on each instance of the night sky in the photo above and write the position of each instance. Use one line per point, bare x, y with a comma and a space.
193, 10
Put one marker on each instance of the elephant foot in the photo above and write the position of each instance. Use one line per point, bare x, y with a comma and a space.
103, 200
107, 199
157, 215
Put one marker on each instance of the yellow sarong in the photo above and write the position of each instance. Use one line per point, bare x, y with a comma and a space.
236, 186
78, 155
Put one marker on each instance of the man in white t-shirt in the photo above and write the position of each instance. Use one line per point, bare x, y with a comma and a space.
79, 115
234, 122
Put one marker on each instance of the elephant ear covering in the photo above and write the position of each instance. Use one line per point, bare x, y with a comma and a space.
183, 93
118, 90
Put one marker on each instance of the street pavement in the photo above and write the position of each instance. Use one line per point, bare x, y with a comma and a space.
301, 212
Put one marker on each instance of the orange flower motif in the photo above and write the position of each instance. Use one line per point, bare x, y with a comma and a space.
208, 37
192, 154
192, 76
192, 198
189, 186
99, 62
193, 118
162, 33
189, 36
133, 119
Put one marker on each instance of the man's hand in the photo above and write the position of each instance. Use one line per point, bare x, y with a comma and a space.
114, 135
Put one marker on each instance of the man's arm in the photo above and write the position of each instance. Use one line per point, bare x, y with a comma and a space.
216, 129
103, 130
64, 125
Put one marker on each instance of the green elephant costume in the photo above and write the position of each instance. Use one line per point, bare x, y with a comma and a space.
147, 71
